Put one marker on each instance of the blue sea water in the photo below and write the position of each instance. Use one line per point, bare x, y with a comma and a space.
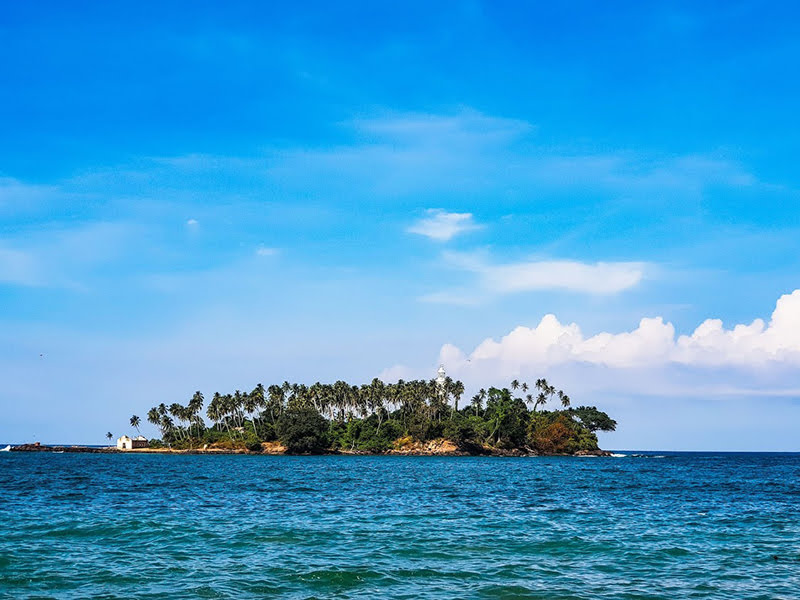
682, 525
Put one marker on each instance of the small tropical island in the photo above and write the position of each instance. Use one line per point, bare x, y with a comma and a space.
407, 417
419, 417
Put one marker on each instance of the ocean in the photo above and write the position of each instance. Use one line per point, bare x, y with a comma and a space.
654, 525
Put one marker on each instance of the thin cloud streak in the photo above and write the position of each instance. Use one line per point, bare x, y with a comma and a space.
498, 279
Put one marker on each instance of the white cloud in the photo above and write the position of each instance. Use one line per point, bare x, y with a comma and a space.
466, 128
651, 344
18, 197
19, 268
192, 223
443, 226
265, 251
597, 278
535, 275
402, 155
64, 257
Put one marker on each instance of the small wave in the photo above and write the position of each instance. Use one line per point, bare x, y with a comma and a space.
616, 455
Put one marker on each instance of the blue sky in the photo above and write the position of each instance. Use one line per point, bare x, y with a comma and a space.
203, 197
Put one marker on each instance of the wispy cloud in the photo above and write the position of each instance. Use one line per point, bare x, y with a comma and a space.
19, 267
266, 251
443, 226
496, 279
397, 155
64, 257
467, 128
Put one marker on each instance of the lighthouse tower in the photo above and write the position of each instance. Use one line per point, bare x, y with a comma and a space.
440, 377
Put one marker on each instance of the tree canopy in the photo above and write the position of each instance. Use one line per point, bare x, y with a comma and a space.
379, 416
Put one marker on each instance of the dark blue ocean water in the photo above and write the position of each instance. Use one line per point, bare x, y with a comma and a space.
149, 526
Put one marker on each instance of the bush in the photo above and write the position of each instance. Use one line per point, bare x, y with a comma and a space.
506, 419
423, 428
465, 431
266, 432
364, 435
555, 433
303, 431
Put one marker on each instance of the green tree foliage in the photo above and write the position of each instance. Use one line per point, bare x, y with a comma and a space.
303, 430
593, 419
372, 418
506, 419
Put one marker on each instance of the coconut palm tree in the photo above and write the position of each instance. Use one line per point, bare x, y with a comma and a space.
250, 404
109, 435
135, 422
154, 416
195, 407
176, 411
258, 399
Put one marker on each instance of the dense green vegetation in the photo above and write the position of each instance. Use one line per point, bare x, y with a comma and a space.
378, 417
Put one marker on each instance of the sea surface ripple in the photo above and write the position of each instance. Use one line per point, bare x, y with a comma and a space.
684, 525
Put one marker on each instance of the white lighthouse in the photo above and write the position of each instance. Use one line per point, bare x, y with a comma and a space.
440, 377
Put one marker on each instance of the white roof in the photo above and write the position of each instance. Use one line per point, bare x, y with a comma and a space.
124, 437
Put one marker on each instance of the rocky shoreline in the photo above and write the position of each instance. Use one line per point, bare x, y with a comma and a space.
428, 449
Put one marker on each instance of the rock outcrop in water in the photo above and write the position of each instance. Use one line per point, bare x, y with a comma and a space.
40, 448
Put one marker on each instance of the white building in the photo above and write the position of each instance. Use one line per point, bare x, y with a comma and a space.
126, 443
441, 376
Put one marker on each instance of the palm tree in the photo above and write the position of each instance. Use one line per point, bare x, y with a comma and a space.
109, 436
456, 390
250, 403
135, 422
258, 401
275, 403
178, 412
194, 407
154, 417
515, 384
546, 392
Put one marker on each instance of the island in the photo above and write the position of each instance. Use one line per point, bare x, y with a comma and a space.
406, 417
419, 417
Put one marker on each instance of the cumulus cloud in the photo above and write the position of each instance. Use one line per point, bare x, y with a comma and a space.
192, 223
652, 344
442, 226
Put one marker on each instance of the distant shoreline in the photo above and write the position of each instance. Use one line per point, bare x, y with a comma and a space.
276, 450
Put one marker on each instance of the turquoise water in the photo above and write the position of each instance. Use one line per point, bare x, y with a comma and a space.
148, 526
